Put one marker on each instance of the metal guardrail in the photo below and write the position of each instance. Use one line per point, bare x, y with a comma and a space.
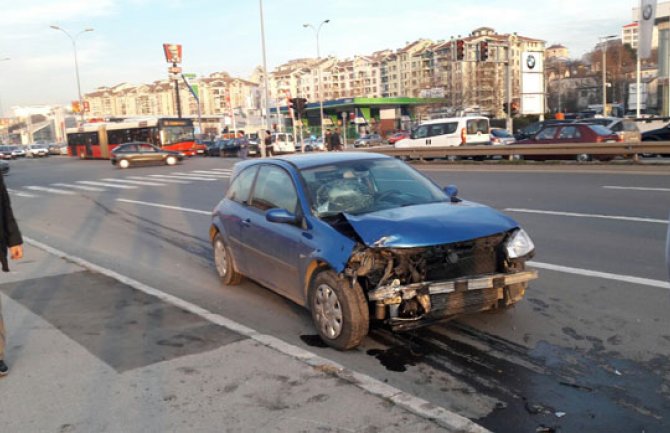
631, 150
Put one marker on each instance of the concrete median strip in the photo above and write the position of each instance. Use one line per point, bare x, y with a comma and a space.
409, 402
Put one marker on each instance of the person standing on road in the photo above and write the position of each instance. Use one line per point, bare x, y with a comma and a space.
335, 141
10, 238
267, 140
328, 141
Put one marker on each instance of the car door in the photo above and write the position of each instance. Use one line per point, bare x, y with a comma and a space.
149, 154
273, 249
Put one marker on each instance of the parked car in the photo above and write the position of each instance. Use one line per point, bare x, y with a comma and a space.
282, 143
359, 237
4, 168
369, 140
314, 145
37, 150
626, 129
234, 147
501, 136
18, 151
54, 148
6, 152
213, 148
201, 146
572, 133
401, 135
660, 134
136, 153
454, 131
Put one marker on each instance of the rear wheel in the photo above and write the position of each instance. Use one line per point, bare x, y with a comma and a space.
224, 262
339, 311
124, 163
583, 157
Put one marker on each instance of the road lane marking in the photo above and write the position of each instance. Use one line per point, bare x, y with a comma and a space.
165, 206
81, 187
209, 173
133, 182
21, 193
605, 275
110, 185
190, 177
416, 405
586, 215
49, 190
227, 170
636, 188
166, 180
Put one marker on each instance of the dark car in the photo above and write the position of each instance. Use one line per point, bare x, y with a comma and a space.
660, 134
535, 127
201, 146
572, 133
359, 237
128, 154
6, 152
213, 148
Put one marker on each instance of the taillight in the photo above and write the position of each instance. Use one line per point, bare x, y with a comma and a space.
463, 136
599, 139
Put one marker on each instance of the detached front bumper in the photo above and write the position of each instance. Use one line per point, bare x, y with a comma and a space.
414, 305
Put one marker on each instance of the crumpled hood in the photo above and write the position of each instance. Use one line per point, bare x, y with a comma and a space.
429, 224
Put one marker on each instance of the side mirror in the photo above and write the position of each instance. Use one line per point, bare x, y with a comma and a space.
452, 193
281, 216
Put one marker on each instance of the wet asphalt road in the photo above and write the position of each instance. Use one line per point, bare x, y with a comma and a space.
579, 353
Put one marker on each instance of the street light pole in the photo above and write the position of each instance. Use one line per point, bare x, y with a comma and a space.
76, 63
603, 42
265, 81
318, 56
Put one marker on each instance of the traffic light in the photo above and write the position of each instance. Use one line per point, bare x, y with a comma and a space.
460, 49
290, 103
483, 51
300, 105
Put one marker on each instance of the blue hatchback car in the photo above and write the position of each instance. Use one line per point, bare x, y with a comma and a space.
358, 237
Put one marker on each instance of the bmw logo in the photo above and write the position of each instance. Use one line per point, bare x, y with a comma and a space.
530, 62
646, 13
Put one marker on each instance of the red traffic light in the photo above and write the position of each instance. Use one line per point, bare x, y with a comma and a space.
460, 49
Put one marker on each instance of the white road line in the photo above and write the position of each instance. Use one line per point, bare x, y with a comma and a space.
110, 185
605, 275
636, 188
167, 180
164, 206
193, 177
586, 215
423, 408
20, 193
133, 182
209, 173
50, 190
226, 170
81, 187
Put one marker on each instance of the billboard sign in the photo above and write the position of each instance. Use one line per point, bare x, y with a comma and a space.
172, 53
532, 82
646, 22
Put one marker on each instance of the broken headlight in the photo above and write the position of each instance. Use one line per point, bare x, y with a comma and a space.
519, 244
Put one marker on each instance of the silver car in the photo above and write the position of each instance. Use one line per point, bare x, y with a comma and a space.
369, 140
500, 136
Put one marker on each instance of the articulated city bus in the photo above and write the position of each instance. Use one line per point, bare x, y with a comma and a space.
97, 140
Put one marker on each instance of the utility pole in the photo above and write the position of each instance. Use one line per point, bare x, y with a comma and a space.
265, 79
318, 55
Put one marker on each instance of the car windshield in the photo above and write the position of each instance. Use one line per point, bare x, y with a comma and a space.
501, 133
359, 187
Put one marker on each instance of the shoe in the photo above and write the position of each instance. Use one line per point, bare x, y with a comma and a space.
3, 368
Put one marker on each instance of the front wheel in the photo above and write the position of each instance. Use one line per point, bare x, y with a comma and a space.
170, 160
583, 157
124, 163
339, 311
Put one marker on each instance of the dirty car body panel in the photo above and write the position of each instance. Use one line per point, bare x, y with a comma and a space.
418, 254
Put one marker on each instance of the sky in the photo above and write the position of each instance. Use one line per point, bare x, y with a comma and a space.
224, 35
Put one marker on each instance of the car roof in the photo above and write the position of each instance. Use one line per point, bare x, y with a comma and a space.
453, 119
304, 161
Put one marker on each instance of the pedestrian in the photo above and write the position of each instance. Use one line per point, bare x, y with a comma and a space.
267, 140
335, 141
10, 238
328, 141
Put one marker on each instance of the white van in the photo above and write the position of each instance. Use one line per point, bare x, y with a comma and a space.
454, 131
282, 143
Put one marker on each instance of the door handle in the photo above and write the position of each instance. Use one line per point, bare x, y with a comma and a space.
246, 222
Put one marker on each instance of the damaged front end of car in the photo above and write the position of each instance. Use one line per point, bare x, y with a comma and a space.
410, 287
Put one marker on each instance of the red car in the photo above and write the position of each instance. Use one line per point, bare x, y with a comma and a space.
397, 137
572, 133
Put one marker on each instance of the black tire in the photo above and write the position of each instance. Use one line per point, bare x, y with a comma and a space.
223, 261
349, 303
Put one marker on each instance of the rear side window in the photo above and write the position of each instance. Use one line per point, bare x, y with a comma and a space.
569, 132
630, 126
241, 186
600, 130
547, 133
477, 125
443, 128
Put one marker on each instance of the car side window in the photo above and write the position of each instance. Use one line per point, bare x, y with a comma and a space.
421, 132
274, 189
146, 148
546, 134
443, 129
241, 187
569, 132
617, 127
129, 148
